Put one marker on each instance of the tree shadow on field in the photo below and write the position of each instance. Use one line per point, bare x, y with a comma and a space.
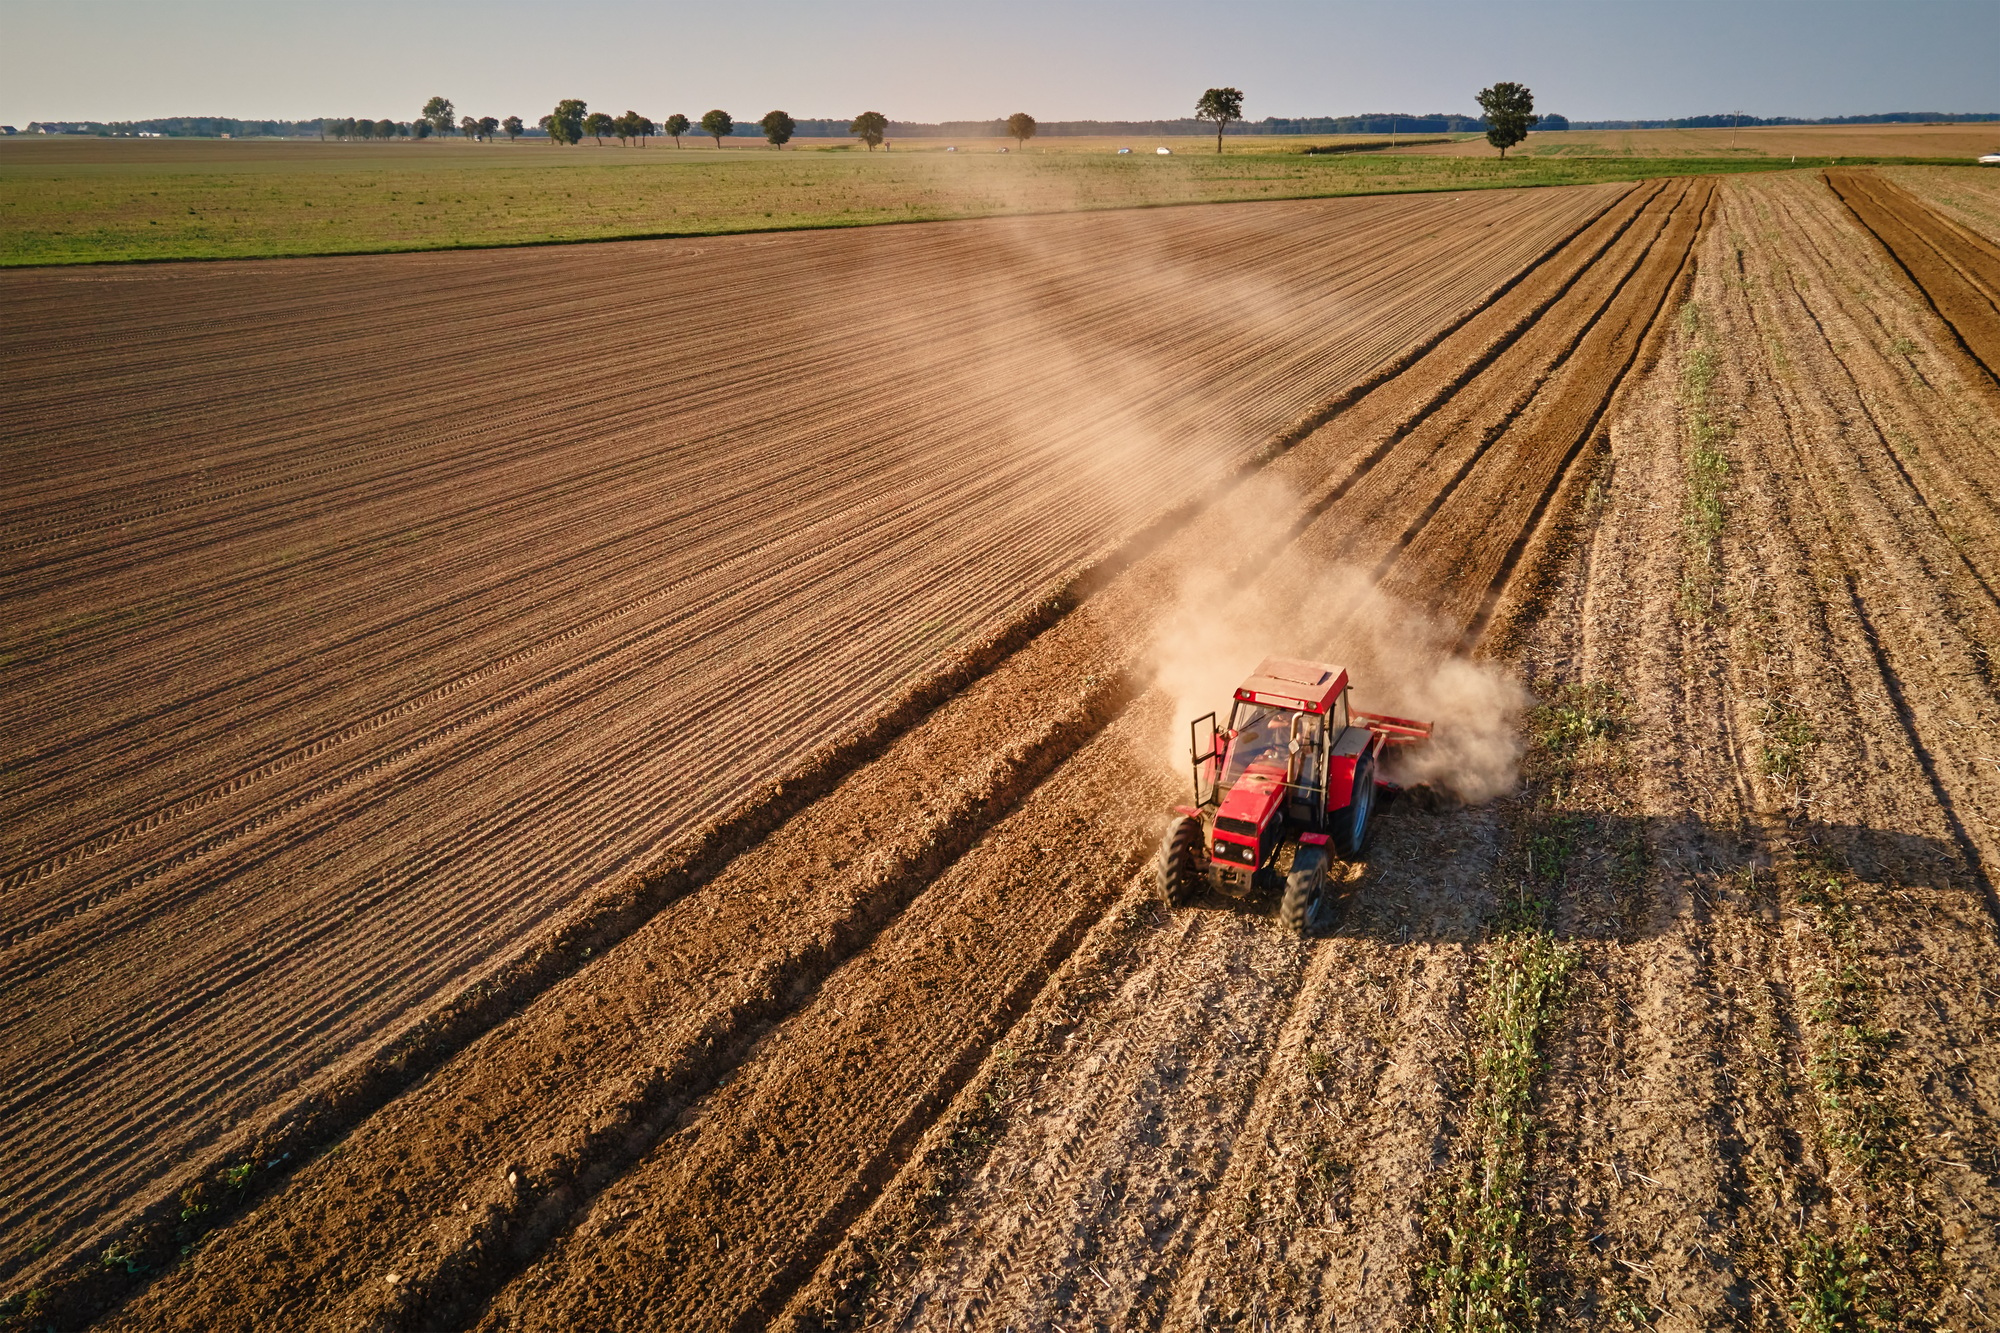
1453, 874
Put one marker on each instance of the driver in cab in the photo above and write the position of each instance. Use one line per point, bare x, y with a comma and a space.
1264, 740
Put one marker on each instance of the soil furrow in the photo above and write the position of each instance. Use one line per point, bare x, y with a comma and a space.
672, 1182
1433, 281
1957, 272
608, 1057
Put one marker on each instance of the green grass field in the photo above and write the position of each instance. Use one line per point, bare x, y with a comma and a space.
75, 201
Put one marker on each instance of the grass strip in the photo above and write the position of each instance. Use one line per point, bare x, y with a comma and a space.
1490, 1247
54, 212
1707, 466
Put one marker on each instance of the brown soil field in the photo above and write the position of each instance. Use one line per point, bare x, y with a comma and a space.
1969, 196
1969, 140
366, 617
1681, 498
1956, 267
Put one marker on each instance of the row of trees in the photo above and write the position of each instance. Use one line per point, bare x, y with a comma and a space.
573, 119
484, 127
439, 111
436, 119
1509, 110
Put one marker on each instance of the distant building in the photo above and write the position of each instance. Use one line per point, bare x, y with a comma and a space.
8, 129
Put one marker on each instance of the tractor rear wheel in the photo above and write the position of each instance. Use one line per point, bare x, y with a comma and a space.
1178, 868
1351, 825
1305, 891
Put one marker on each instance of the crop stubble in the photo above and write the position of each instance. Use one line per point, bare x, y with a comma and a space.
1812, 728
365, 613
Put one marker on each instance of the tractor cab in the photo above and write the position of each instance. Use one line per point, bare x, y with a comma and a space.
1293, 768
1267, 770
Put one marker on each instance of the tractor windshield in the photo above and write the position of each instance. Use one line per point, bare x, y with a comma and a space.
1262, 735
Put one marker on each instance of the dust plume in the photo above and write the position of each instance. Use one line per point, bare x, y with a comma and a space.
1227, 619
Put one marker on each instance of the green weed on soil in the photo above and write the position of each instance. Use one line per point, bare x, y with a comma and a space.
1707, 466
1873, 1262
1481, 1281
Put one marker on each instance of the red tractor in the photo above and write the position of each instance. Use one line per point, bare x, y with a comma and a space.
1294, 770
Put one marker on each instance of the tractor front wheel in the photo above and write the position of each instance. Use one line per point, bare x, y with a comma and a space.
1178, 867
1305, 891
1350, 825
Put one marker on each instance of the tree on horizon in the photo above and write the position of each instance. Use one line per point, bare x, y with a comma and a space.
632, 125
778, 128
676, 125
718, 126
1510, 110
1021, 126
438, 111
565, 124
870, 127
1221, 105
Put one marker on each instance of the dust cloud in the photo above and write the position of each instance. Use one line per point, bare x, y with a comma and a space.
1225, 619
1106, 400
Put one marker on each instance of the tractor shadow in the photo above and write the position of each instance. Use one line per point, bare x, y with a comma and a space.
1454, 874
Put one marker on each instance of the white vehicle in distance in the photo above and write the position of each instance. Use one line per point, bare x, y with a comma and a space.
1990, 160
1164, 151
1123, 151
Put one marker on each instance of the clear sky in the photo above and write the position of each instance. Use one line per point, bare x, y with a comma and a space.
1085, 59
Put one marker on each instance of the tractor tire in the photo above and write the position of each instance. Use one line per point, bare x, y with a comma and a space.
1351, 824
1305, 892
1177, 868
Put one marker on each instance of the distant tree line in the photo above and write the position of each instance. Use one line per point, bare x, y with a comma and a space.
573, 120
183, 127
1372, 123
1729, 120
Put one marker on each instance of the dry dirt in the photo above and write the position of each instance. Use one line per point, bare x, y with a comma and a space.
1969, 196
1691, 1028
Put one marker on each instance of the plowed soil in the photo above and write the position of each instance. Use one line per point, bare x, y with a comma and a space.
1690, 1025
364, 616
1957, 269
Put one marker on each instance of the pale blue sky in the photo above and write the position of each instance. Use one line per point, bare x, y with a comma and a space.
1590, 59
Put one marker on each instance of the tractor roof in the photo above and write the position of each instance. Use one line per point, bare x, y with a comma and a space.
1286, 682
